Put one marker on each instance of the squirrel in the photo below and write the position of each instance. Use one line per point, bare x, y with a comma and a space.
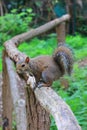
47, 69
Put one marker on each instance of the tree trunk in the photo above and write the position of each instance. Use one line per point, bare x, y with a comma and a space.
3, 9
71, 9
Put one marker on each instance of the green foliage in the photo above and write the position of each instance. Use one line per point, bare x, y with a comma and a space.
37, 47
82, 25
14, 125
77, 42
53, 125
13, 24
79, 46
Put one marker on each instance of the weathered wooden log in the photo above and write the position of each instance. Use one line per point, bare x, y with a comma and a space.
6, 96
11, 96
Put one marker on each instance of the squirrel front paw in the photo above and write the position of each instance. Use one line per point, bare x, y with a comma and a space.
31, 82
43, 84
40, 84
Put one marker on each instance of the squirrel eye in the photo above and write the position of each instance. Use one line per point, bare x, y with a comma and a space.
23, 65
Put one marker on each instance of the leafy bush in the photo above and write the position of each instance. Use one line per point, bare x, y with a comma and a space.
13, 24
82, 25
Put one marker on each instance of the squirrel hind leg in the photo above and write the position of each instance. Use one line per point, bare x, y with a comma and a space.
46, 80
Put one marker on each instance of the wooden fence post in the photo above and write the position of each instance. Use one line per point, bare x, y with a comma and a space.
12, 102
6, 95
60, 30
37, 116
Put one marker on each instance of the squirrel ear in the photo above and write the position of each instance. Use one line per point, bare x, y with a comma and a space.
27, 60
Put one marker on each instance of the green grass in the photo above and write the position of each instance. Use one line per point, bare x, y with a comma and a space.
79, 45
37, 47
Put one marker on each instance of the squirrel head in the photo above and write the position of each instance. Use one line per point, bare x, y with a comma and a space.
22, 66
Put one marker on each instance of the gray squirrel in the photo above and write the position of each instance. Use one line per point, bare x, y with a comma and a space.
47, 69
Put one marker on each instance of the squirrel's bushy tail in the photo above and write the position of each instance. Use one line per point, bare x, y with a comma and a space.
64, 59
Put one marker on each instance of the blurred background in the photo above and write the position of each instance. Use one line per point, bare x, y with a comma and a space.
46, 10
18, 16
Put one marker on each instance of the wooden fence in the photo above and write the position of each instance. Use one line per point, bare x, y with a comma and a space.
33, 111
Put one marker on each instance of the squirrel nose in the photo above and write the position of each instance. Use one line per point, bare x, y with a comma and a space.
18, 71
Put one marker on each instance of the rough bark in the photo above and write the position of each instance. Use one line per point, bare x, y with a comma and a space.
37, 116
